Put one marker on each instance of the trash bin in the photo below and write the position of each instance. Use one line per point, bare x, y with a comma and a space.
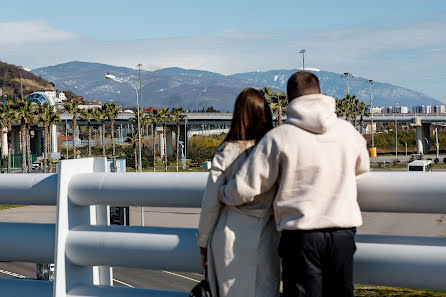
372, 152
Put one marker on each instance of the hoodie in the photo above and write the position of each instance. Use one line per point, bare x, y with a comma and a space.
313, 159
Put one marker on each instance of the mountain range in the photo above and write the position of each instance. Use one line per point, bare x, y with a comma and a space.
195, 89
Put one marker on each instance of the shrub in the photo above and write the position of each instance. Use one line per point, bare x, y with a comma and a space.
202, 148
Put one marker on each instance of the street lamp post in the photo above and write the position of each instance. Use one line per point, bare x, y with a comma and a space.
347, 75
21, 87
303, 51
436, 142
140, 90
121, 80
371, 82
396, 140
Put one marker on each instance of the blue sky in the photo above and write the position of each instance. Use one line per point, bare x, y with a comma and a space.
399, 42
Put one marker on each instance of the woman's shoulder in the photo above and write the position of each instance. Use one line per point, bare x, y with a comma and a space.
228, 151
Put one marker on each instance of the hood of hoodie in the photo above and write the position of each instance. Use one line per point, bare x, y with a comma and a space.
314, 113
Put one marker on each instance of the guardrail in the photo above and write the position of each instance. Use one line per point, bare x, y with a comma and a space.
84, 246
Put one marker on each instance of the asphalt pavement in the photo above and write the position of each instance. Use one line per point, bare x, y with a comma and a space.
374, 223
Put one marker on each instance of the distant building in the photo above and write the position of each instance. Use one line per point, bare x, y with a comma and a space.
88, 106
150, 109
368, 128
401, 109
41, 97
51, 93
429, 109
419, 109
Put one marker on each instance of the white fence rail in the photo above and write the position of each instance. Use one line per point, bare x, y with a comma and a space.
84, 246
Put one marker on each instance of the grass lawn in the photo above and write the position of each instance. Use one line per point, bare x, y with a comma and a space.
372, 291
9, 206
171, 169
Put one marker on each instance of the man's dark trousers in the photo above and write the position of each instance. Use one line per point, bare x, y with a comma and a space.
317, 263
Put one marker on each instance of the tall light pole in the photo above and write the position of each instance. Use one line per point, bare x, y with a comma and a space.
396, 140
371, 82
347, 75
140, 90
436, 142
21, 87
122, 80
303, 51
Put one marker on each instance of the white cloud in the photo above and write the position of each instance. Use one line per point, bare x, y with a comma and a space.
407, 54
26, 32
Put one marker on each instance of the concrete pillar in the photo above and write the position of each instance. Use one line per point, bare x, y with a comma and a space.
183, 138
423, 138
54, 138
419, 139
426, 138
161, 146
4, 142
169, 142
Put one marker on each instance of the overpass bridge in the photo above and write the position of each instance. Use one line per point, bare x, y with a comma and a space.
197, 121
421, 122
84, 246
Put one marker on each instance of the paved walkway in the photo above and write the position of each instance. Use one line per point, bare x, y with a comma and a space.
374, 223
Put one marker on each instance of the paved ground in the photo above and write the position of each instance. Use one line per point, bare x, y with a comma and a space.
402, 158
374, 223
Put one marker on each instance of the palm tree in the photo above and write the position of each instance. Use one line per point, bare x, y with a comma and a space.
178, 115
134, 141
73, 109
90, 114
164, 116
102, 116
44, 111
112, 111
3, 129
54, 119
24, 112
363, 110
9, 115
145, 120
153, 118
278, 102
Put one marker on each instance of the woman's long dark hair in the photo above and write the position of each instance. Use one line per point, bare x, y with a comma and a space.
251, 117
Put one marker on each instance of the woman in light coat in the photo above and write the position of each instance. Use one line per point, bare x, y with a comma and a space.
238, 245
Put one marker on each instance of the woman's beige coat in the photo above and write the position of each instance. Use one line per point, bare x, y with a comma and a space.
242, 241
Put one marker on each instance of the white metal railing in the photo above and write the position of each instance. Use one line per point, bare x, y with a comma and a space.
83, 245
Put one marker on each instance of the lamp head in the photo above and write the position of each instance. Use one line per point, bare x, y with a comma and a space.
109, 76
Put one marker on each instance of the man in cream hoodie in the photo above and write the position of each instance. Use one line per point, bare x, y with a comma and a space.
314, 159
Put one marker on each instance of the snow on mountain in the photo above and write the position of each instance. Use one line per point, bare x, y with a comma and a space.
194, 89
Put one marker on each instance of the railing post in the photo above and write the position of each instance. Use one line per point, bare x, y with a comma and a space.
69, 215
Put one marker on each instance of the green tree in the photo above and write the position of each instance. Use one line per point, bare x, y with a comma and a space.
164, 116
112, 113
45, 111
73, 109
7, 115
53, 120
278, 102
25, 113
178, 115
89, 115
153, 118
102, 116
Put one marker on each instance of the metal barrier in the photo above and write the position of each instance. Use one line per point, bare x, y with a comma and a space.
84, 246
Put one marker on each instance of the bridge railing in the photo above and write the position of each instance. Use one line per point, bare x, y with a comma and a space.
84, 247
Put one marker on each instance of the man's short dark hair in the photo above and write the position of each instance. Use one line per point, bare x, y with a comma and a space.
302, 83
